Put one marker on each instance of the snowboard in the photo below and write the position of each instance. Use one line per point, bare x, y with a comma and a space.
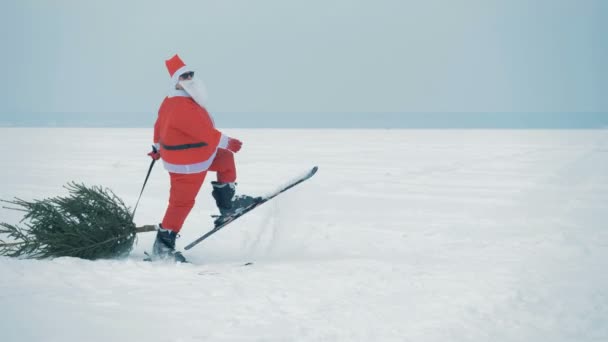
251, 207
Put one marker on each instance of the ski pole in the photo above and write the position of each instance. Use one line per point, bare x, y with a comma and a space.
145, 181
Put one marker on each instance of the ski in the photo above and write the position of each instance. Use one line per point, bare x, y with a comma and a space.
265, 199
153, 258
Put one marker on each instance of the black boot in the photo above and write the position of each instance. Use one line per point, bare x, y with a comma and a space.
164, 245
227, 202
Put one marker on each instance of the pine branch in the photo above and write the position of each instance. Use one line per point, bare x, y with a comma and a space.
90, 223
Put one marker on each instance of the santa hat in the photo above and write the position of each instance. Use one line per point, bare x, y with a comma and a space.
176, 68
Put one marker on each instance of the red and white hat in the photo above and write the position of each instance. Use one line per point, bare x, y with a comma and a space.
176, 67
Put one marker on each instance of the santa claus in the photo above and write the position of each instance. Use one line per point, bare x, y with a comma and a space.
190, 145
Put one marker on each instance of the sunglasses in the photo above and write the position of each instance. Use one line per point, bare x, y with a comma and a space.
187, 75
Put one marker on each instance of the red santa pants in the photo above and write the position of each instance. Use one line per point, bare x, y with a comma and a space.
185, 187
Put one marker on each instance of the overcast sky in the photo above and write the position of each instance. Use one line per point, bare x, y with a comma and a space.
317, 56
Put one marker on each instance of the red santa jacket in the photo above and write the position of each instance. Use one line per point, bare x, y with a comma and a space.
185, 132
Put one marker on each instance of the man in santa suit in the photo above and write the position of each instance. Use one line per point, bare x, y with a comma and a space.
189, 144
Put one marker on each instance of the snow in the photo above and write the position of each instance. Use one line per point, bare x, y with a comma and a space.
402, 235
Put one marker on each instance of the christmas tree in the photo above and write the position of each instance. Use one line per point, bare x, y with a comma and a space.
89, 223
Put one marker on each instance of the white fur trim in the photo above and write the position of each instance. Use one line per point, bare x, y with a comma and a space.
223, 141
190, 168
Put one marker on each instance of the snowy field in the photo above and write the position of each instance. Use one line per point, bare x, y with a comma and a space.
403, 235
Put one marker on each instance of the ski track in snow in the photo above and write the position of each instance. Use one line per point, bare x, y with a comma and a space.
403, 235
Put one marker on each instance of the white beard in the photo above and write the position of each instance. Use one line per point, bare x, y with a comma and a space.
196, 88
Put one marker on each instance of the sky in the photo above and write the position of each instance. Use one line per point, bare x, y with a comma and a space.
283, 60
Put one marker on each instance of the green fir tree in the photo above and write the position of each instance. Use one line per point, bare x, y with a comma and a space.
90, 223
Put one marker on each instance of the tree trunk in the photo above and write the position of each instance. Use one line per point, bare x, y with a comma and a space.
146, 228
